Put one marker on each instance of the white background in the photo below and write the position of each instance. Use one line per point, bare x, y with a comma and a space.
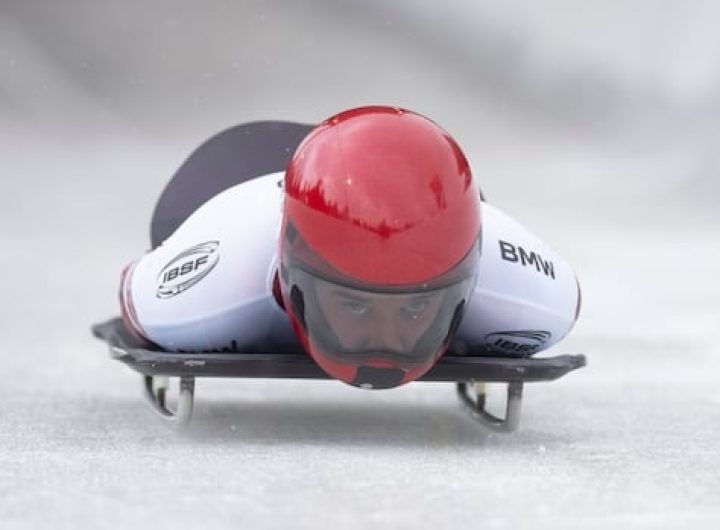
595, 124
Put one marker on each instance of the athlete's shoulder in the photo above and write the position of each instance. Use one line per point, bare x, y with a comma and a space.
260, 189
229, 157
235, 212
527, 295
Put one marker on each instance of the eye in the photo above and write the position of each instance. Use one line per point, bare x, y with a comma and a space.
357, 309
416, 307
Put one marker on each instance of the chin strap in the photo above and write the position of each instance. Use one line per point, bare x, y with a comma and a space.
370, 377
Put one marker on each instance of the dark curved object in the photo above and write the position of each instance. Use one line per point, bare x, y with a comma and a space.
230, 157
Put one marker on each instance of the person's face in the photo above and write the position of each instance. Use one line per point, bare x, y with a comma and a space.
389, 322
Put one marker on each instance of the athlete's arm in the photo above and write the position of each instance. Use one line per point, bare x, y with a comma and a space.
209, 285
527, 296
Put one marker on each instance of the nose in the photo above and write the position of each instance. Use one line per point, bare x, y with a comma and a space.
386, 335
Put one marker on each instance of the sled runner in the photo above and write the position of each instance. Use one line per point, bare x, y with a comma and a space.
470, 373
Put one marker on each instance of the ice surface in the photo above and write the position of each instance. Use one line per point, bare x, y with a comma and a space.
631, 441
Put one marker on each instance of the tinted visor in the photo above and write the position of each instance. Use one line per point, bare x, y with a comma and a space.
399, 329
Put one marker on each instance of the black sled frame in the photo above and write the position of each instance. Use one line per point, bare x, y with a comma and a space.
471, 373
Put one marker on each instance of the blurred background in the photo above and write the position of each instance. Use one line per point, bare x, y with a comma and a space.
596, 124
625, 92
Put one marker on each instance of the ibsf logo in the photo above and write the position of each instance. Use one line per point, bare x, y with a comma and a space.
187, 268
522, 342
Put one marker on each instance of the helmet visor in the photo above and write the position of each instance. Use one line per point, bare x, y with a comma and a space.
395, 330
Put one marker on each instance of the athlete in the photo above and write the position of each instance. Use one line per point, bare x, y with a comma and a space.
363, 241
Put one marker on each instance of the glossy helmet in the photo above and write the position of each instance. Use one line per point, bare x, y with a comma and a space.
379, 244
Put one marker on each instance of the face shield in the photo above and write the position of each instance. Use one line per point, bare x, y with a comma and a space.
379, 337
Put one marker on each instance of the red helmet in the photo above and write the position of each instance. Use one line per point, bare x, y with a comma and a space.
379, 244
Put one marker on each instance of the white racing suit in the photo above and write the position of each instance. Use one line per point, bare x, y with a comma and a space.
210, 286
